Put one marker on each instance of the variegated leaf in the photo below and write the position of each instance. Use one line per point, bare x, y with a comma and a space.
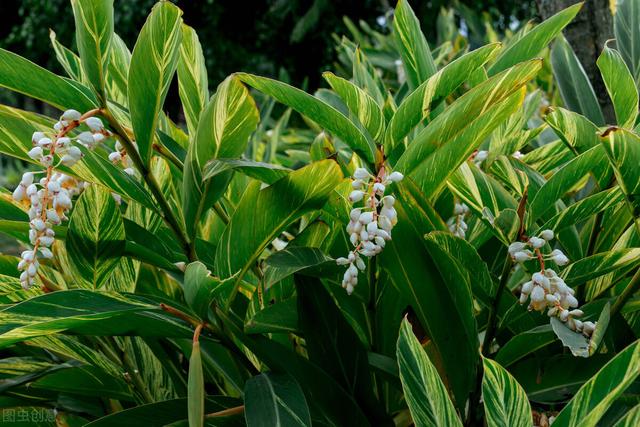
620, 85
193, 84
153, 63
505, 402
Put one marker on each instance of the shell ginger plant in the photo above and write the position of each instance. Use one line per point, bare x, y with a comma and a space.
446, 239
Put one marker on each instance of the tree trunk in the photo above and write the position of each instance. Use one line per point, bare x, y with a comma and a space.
587, 35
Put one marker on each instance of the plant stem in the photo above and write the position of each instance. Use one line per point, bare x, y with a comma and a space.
227, 412
165, 208
628, 292
493, 313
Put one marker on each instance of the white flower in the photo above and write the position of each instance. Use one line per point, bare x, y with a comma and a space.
94, 123
481, 156
44, 143
71, 116
537, 294
129, 171
559, 257
537, 242
366, 217
547, 235
86, 138
516, 247
361, 174
356, 196
395, 177
522, 256
36, 137
35, 153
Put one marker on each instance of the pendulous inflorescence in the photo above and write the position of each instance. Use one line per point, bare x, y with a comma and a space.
370, 224
546, 290
49, 198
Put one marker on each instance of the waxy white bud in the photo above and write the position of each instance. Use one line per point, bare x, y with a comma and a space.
395, 177
71, 116
94, 123
356, 196
547, 235
537, 242
35, 153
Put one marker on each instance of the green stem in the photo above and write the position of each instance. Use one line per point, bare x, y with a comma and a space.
493, 310
627, 293
149, 178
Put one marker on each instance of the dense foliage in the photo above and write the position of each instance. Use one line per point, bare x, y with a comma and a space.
444, 237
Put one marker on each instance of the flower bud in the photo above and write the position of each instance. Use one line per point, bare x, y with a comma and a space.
63, 142
564, 315
481, 156
355, 214
522, 256
19, 193
523, 298
86, 138
356, 196
541, 280
395, 177
342, 261
516, 247
372, 227
388, 201
366, 217
537, 294
354, 239
357, 184
44, 143
115, 157
94, 123
360, 264
36, 137
537, 242
559, 257
46, 252
527, 287
547, 235
35, 153
571, 301
379, 188
576, 313
361, 174
71, 116
59, 126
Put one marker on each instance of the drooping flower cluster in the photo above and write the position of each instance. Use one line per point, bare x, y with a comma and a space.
547, 290
456, 223
370, 224
49, 198
120, 156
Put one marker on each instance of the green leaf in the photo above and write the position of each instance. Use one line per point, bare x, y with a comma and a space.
153, 63
505, 402
593, 399
265, 172
420, 103
575, 341
23, 76
86, 313
530, 44
94, 31
291, 260
118, 72
600, 264
317, 110
414, 50
271, 210
575, 87
425, 394
626, 27
620, 85
200, 288
223, 131
67, 58
363, 108
454, 134
193, 84
161, 413
196, 387
575, 130
525, 343
275, 400
564, 180
279, 317
623, 149
630, 419
96, 238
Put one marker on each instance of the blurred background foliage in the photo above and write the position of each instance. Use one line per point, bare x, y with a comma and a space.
290, 39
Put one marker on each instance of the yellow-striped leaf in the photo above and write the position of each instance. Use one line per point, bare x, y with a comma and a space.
317, 110
620, 85
630, 419
424, 392
593, 399
193, 84
575, 87
419, 103
223, 131
270, 211
414, 50
623, 149
94, 31
530, 44
626, 26
505, 402
95, 238
153, 63
361, 106
67, 58
23, 76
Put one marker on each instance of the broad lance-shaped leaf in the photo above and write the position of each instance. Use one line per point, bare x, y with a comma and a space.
414, 49
96, 237
575, 87
630, 419
620, 85
361, 106
449, 323
270, 211
623, 149
275, 400
424, 392
505, 402
200, 288
265, 172
23, 76
419, 103
473, 115
626, 27
530, 45
85, 312
599, 264
118, 72
94, 30
223, 131
564, 180
67, 58
192, 78
593, 399
153, 63
317, 110
195, 392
